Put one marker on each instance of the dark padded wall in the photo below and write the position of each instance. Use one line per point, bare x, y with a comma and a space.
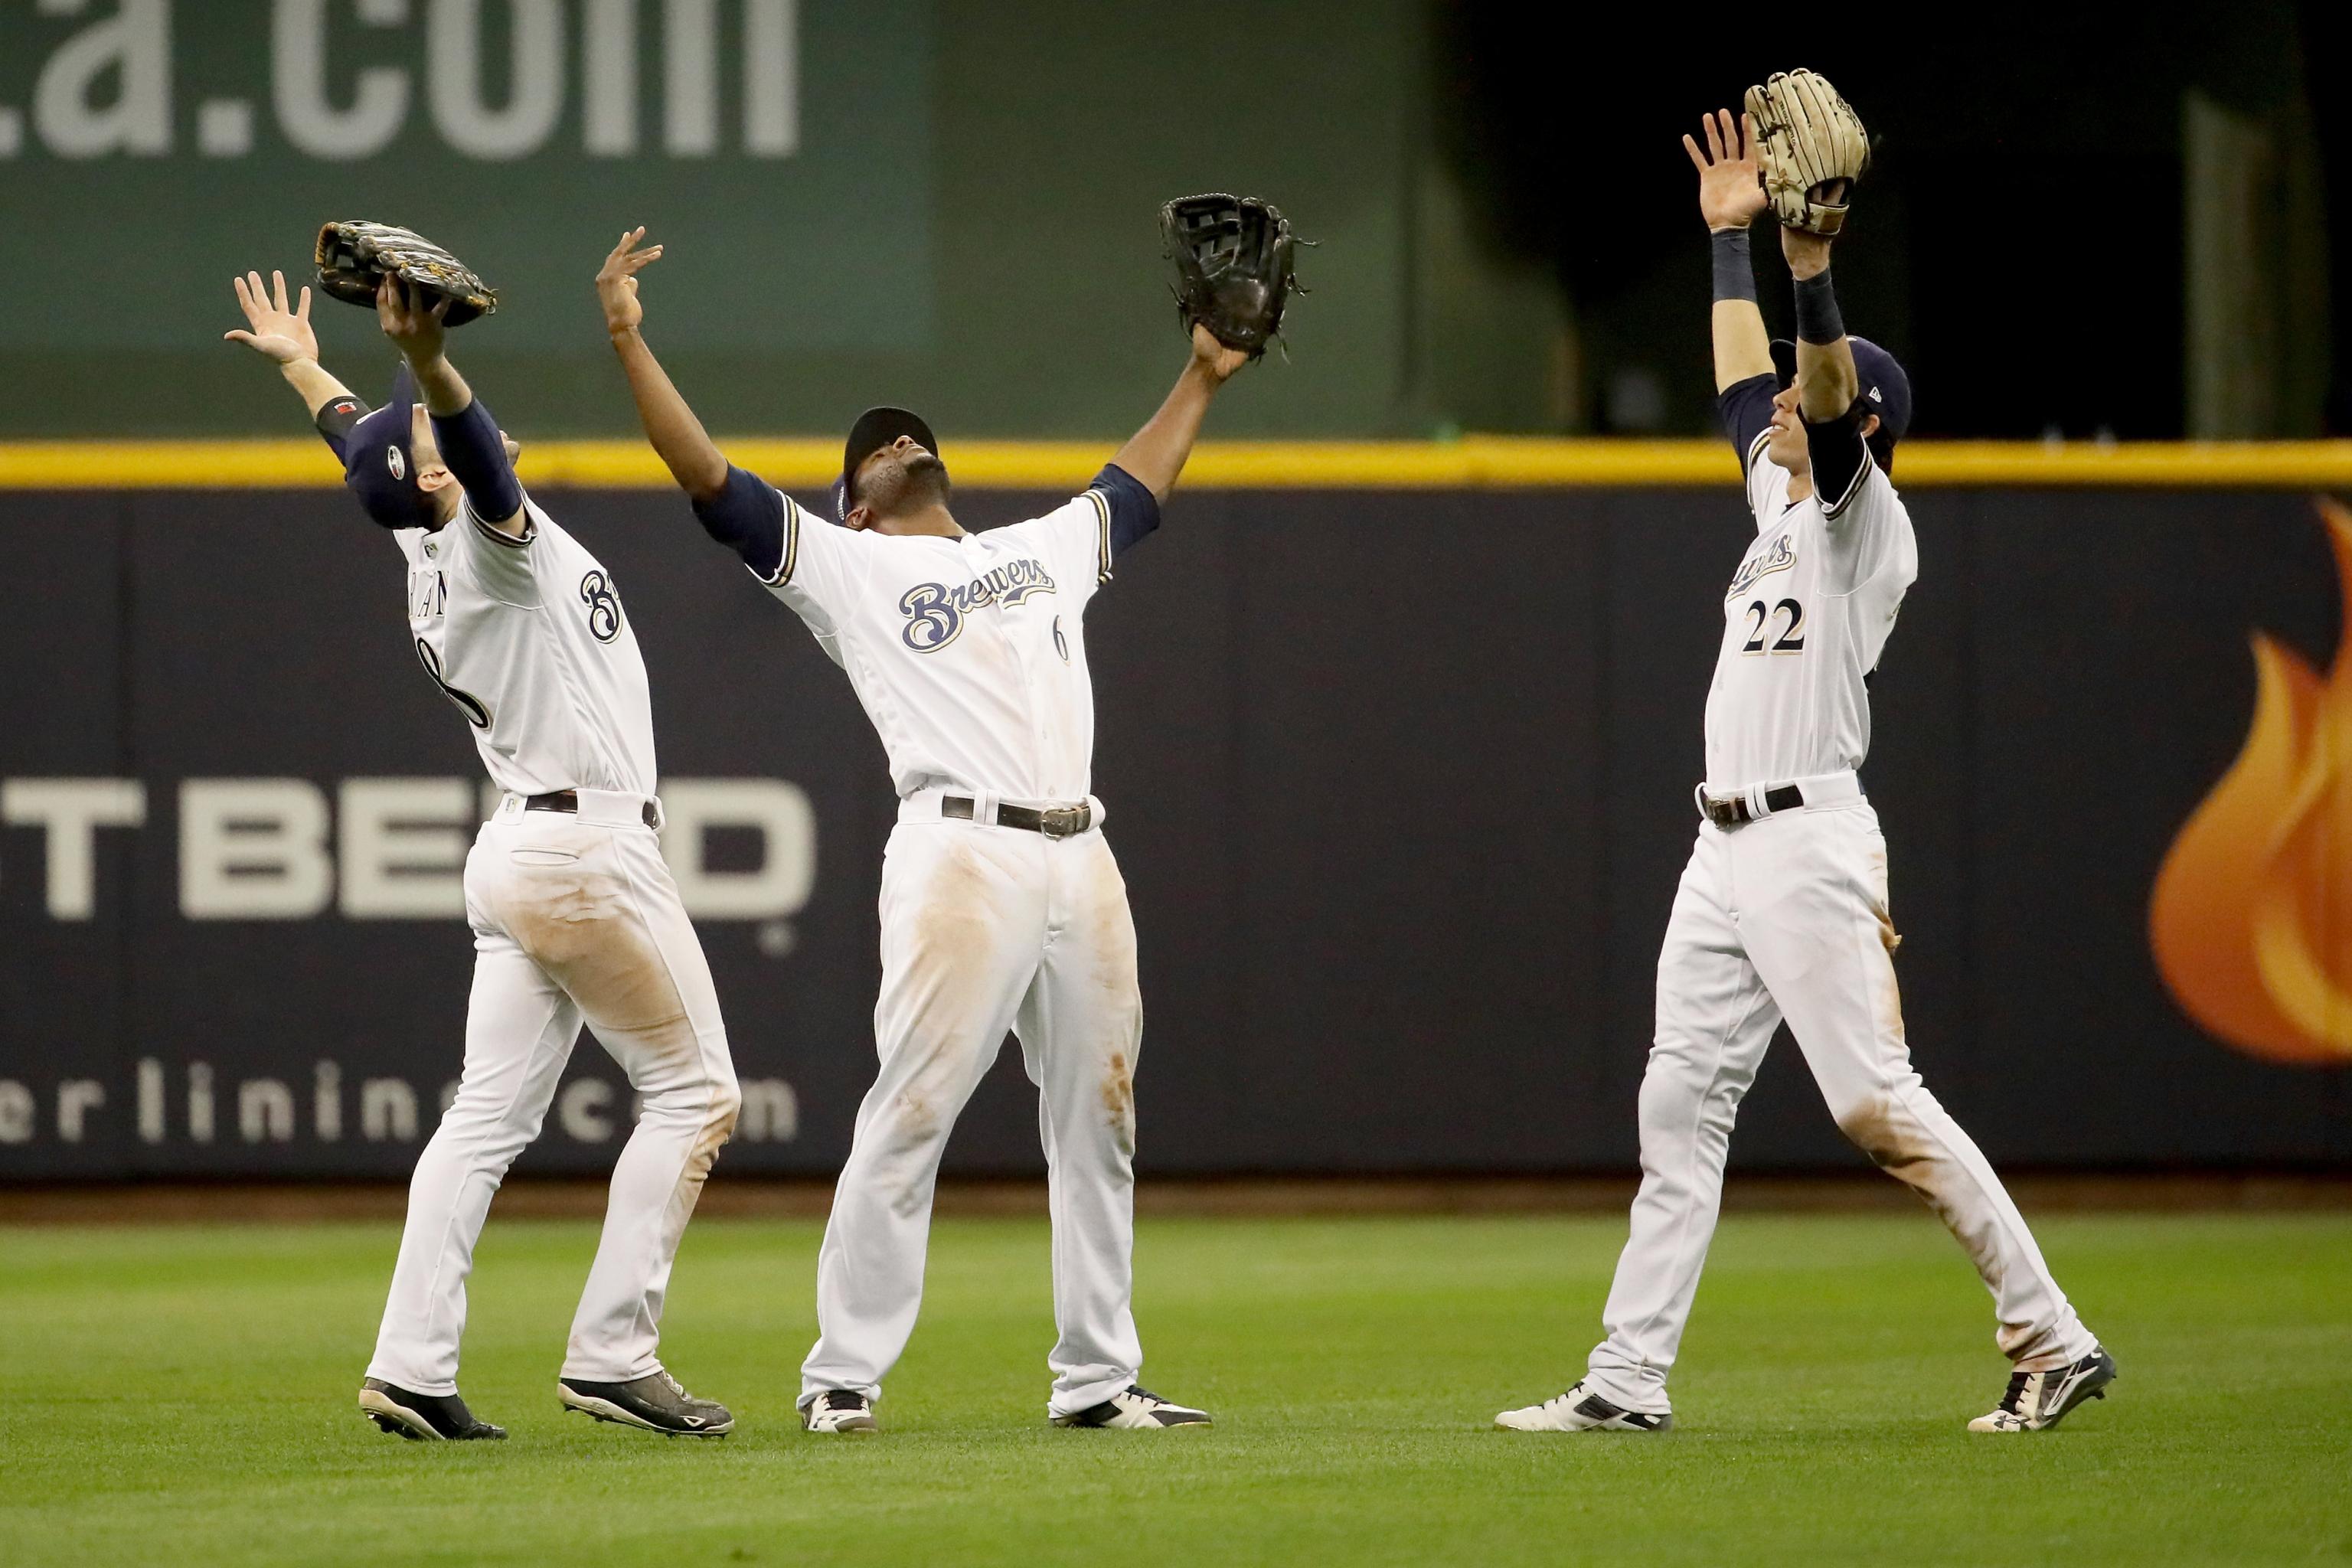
1401, 784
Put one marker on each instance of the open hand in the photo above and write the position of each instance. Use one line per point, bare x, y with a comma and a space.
1730, 182
279, 331
1214, 357
617, 282
412, 318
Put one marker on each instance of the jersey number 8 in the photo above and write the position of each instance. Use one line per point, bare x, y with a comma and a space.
467, 703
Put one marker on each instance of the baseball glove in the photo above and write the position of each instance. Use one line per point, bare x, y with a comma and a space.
1813, 148
1234, 267
353, 258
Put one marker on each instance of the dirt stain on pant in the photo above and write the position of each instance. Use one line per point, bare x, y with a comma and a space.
579, 924
918, 1117
1118, 1098
953, 936
1109, 931
1898, 1141
718, 1126
941, 980
1108, 927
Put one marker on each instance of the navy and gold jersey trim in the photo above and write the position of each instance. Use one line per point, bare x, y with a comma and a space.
1853, 486
529, 529
1102, 536
791, 553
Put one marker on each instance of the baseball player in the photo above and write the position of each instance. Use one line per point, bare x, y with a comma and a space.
1002, 905
574, 913
1783, 911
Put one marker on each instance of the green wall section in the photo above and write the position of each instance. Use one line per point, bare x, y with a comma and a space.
941, 202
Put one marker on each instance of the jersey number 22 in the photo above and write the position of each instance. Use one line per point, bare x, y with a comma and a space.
1790, 617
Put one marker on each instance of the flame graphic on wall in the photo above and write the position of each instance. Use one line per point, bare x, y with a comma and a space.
2252, 915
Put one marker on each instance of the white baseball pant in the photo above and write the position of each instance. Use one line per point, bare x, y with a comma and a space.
986, 929
575, 917
1787, 917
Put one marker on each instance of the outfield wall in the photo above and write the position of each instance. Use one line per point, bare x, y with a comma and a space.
1400, 777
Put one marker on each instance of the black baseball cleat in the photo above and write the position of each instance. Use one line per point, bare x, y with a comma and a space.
2037, 1401
423, 1417
656, 1402
1135, 1407
839, 1410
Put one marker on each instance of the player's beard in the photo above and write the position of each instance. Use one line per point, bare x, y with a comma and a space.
922, 481
903, 486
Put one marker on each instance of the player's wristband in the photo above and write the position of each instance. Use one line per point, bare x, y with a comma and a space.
1735, 275
1818, 320
338, 417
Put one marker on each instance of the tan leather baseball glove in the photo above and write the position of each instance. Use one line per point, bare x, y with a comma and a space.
1813, 148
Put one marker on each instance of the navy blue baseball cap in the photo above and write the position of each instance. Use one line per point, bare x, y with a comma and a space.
379, 466
1885, 390
876, 429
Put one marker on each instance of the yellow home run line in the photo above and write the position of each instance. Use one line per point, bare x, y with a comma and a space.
1475, 462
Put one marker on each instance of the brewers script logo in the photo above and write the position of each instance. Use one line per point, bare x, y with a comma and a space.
2252, 915
935, 612
1777, 556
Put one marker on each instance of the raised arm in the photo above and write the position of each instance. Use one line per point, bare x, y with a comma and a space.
1730, 197
281, 333
1826, 379
1155, 455
735, 507
694, 459
471, 444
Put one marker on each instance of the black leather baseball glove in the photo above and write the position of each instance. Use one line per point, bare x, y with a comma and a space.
353, 258
1234, 266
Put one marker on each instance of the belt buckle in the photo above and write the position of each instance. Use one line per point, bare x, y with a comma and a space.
1063, 821
1726, 813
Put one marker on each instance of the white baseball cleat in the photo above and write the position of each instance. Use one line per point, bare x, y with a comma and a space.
2037, 1401
838, 1410
1579, 1411
1135, 1407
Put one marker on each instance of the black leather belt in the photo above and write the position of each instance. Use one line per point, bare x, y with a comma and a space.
569, 800
1062, 822
1731, 811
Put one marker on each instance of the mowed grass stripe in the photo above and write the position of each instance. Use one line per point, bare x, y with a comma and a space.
185, 1395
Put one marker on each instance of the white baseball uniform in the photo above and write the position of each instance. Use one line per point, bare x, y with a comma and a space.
1785, 916
969, 657
575, 917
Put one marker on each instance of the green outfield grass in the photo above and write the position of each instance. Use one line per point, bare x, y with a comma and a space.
185, 1396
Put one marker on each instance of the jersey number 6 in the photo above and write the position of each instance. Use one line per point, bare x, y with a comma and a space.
1794, 623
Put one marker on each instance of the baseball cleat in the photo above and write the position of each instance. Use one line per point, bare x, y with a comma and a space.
1578, 1411
423, 1417
839, 1410
656, 1402
1135, 1407
2037, 1401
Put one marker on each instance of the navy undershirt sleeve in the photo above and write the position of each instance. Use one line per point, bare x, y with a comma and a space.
476, 454
1840, 458
1134, 510
748, 516
1746, 409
